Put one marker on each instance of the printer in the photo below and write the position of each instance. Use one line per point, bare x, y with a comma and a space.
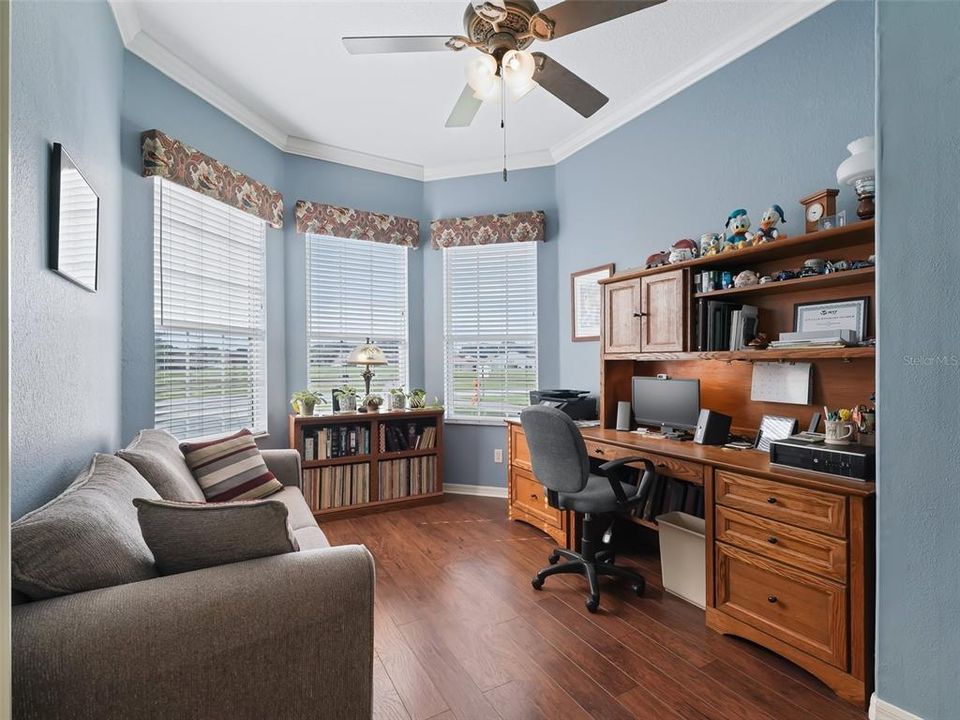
578, 404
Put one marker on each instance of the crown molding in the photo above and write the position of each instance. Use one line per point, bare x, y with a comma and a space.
137, 41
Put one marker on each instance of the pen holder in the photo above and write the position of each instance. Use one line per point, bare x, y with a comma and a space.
838, 432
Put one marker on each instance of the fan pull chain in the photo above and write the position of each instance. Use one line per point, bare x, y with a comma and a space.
503, 122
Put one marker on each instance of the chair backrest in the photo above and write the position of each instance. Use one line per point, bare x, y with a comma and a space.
557, 451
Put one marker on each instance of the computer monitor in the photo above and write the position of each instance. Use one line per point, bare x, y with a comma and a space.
670, 404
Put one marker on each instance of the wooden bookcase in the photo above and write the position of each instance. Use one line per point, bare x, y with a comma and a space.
370, 466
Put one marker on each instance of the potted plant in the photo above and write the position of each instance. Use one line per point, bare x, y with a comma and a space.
347, 397
398, 398
304, 402
418, 398
373, 402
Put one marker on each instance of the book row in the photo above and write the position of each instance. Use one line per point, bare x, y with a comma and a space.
395, 437
410, 476
337, 486
336, 441
725, 325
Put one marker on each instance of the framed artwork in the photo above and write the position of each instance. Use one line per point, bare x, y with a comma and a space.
74, 223
586, 299
850, 314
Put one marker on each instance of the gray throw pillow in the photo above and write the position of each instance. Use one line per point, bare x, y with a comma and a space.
191, 536
156, 455
85, 538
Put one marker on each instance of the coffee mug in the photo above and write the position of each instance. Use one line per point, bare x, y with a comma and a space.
838, 432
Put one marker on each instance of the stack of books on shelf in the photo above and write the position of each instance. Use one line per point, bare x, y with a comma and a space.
667, 495
406, 477
725, 325
395, 437
335, 441
816, 339
337, 486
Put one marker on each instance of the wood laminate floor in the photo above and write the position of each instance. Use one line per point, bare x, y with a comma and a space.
461, 635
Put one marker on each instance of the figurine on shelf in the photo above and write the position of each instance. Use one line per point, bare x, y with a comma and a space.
745, 279
768, 225
766, 279
681, 250
658, 259
738, 224
786, 275
710, 244
759, 342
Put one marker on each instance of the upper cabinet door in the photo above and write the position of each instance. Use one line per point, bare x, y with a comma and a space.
663, 310
621, 317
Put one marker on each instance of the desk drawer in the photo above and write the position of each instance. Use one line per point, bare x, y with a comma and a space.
810, 509
671, 467
530, 496
802, 549
800, 609
519, 450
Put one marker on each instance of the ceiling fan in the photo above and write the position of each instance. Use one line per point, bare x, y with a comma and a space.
502, 30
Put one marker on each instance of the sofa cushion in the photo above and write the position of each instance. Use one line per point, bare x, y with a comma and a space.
297, 508
156, 455
85, 538
191, 536
230, 468
311, 538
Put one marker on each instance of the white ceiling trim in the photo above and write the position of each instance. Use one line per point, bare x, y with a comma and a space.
144, 46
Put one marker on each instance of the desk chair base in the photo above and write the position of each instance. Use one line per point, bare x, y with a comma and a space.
590, 563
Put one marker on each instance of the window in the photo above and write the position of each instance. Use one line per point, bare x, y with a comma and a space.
490, 329
209, 315
356, 289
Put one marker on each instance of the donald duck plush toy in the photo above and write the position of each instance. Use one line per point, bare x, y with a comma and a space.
737, 223
768, 225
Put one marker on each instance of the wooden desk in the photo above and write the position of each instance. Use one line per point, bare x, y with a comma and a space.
789, 554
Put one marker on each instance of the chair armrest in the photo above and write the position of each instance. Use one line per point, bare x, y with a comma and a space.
613, 468
285, 465
286, 636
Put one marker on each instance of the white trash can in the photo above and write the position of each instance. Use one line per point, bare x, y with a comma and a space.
682, 556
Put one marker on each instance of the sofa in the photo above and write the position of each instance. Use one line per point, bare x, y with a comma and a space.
287, 636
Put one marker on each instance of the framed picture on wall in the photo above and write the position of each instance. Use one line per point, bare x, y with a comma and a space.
74, 222
586, 299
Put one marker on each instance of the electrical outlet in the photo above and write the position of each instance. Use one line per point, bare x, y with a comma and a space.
498, 455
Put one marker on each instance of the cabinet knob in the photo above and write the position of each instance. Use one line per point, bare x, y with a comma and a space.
772, 540
639, 314
771, 598
772, 500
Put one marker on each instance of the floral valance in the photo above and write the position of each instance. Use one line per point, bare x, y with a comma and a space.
488, 229
345, 222
169, 158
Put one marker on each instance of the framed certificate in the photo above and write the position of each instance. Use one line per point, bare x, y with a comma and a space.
837, 315
585, 300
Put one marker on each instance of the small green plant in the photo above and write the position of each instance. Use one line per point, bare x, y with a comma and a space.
398, 391
347, 390
373, 402
303, 402
418, 397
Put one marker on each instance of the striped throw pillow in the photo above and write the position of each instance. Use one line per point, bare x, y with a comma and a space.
230, 468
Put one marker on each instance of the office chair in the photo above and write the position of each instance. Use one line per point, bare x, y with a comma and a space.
560, 462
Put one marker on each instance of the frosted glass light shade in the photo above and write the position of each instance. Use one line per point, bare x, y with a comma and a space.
861, 164
367, 354
482, 75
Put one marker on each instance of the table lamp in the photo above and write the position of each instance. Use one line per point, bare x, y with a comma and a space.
860, 170
367, 354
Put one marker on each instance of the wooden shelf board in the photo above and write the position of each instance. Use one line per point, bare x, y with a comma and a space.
858, 233
850, 353
400, 454
374, 505
329, 462
846, 277
360, 418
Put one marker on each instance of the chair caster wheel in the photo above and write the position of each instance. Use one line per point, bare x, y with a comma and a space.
610, 559
593, 604
537, 583
638, 588
554, 558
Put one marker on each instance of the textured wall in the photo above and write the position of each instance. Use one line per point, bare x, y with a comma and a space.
67, 64
918, 637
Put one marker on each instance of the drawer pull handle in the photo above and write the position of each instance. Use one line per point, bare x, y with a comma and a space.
598, 451
771, 598
772, 540
772, 500
661, 464
533, 496
639, 314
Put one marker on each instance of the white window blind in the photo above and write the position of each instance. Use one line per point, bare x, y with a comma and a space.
356, 289
490, 329
209, 315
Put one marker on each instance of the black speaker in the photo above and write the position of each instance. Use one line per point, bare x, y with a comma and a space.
713, 428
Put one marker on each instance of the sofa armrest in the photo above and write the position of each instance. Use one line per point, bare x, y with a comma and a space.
287, 636
285, 465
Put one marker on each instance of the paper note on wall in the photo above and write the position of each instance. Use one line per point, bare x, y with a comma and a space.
782, 383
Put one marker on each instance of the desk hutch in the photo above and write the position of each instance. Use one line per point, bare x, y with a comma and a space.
789, 554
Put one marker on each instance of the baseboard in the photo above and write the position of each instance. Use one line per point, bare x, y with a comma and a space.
478, 490
882, 710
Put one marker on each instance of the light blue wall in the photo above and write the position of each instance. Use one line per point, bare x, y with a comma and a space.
918, 637
469, 448
770, 127
67, 66
152, 100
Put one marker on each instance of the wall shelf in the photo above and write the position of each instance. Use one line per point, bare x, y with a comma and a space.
835, 279
849, 353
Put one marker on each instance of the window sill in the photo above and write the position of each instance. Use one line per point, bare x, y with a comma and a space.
486, 422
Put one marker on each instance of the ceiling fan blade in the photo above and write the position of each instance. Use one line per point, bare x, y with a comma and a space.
573, 15
566, 86
396, 43
465, 109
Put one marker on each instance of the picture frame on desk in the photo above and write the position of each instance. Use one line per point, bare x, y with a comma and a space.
848, 314
586, 299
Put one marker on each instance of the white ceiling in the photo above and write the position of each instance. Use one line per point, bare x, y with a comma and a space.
280, 69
